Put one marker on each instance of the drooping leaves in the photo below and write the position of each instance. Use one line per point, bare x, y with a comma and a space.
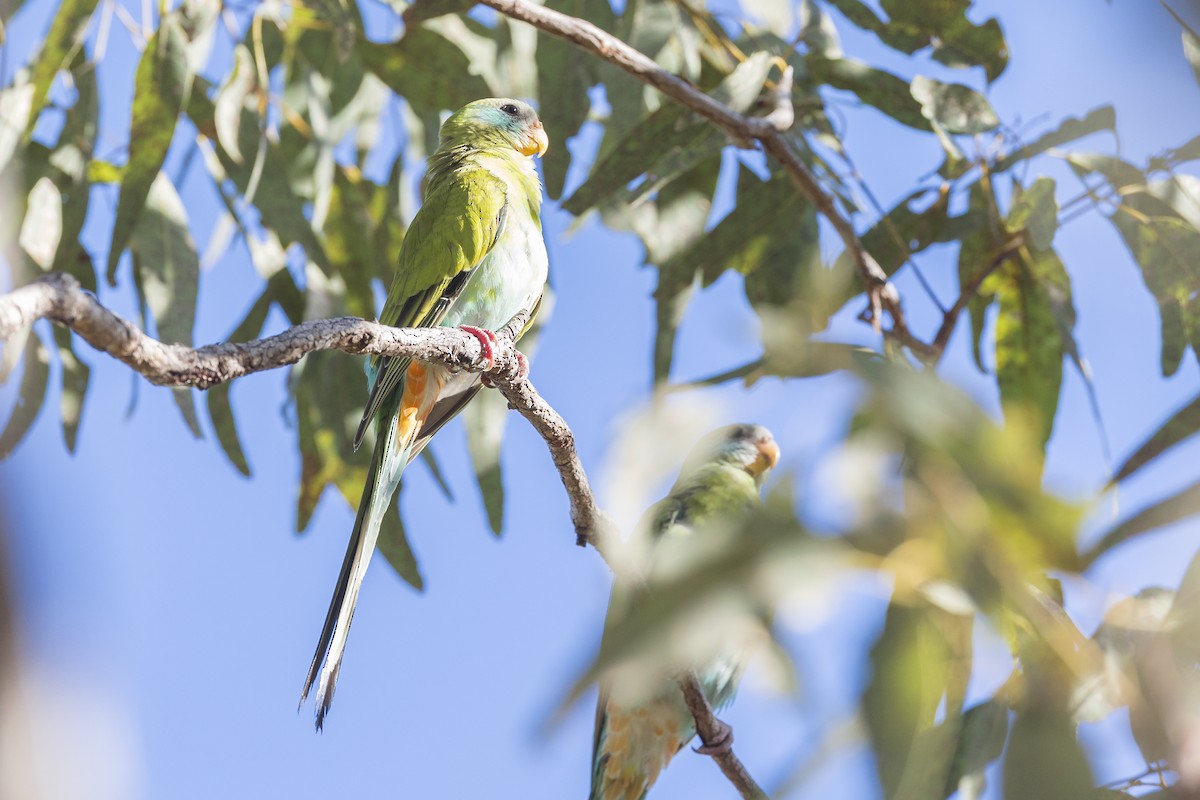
63, 43
939, 24
161, 87
1035, 314
34, 378
167, 274
953, 107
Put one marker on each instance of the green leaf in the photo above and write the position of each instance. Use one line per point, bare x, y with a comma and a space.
329, 390
742, 239
910, 670
435, 471
941, 24
954, 107
161, 87
980, 742
1191, 49
393, 543
564, 80
1178, 428
62, 45
1167, 249
422, 10
168, 274
280, 208
16, 100
428, 71
231, 101
220, 413
975, 255
1044, 759
666, 225
1035, 211
817, 29
1178, 506
485, 418
1035, 317
875, 87
75, 377
1101, 118
36, 375
41, 230
667, 143
1029, 341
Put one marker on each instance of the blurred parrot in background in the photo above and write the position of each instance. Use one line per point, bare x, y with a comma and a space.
639, 729
473, 257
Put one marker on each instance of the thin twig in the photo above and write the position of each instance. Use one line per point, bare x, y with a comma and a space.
60, 299
766, 130
950, 320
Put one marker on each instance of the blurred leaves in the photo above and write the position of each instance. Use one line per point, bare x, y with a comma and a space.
940, 24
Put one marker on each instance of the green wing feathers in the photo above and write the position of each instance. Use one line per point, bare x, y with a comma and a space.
439, 253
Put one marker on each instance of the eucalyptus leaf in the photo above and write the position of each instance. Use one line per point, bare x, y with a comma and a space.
1101, 118
168, 274
1178, 428
63, 43
393, 544
875, 87
428, 71
564, 80
954, 107
35, 376
485, 418
161, 87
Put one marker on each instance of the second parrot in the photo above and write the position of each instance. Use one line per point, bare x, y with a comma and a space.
641, 724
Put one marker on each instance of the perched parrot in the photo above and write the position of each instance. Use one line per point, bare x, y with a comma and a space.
473, 257
636, 738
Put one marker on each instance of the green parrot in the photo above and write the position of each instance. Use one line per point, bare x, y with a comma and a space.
473, 257
639, 731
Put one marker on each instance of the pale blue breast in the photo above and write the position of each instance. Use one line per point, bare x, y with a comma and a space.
510, 278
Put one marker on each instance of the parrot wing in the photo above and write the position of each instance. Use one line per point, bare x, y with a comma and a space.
458, 225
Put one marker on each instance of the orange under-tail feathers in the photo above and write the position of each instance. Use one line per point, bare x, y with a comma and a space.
420, 394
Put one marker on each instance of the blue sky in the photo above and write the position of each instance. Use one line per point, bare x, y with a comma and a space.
169, 611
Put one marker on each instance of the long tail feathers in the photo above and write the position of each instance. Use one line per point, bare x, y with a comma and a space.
393, 449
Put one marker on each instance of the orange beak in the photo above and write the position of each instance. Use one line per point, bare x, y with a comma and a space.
768, 457
537, 143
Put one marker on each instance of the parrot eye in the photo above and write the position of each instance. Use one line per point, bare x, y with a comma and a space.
510, 109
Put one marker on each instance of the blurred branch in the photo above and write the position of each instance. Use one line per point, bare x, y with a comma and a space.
718, 739
742, 129
60, 299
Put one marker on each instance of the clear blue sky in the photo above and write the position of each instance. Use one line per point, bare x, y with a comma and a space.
169, 611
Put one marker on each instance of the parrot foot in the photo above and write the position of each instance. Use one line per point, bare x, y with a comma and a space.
721, 745
522, 366
487, 344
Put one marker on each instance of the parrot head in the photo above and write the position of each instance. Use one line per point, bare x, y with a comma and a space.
748, 447
496, 122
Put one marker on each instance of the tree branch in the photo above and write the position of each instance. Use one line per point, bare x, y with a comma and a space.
711, 730
60, 298
741, 128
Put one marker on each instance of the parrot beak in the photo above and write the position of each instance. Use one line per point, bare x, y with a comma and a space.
537, 143
768, 457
